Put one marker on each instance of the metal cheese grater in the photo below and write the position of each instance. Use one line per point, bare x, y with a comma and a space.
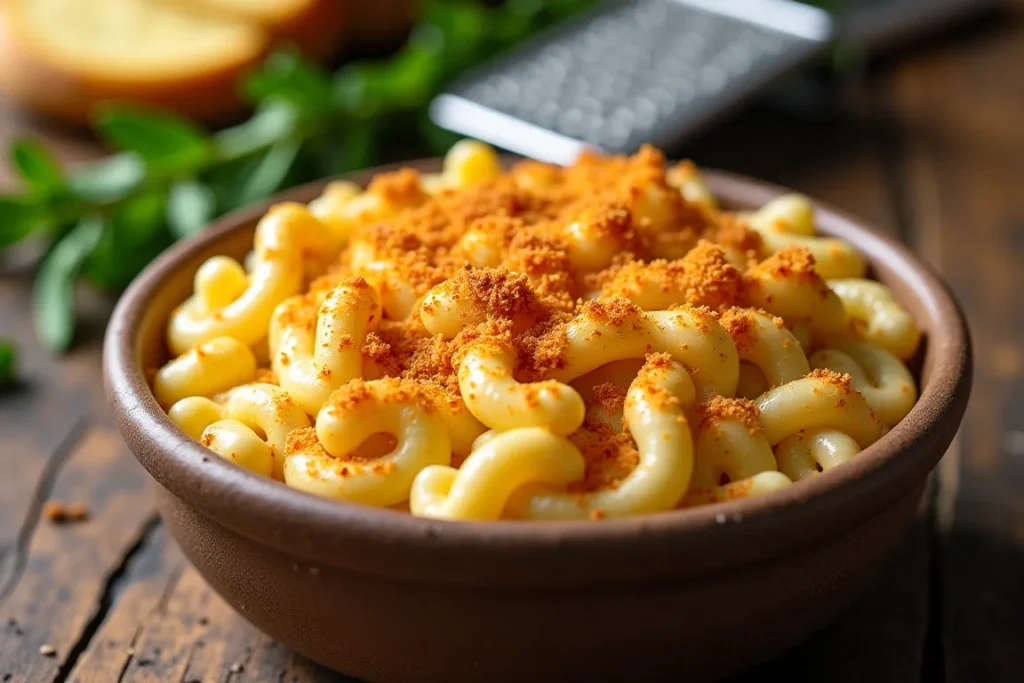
629, 72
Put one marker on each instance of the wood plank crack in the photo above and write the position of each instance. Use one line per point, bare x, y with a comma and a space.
106, 598
12, 558
159, 610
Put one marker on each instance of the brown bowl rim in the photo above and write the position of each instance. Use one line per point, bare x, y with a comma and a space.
385, 541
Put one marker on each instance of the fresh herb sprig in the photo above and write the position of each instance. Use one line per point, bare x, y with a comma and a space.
169, 178
8, 363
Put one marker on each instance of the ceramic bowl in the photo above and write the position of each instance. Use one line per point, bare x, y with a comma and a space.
684, 595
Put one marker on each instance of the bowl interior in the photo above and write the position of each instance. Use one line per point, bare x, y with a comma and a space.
708, 537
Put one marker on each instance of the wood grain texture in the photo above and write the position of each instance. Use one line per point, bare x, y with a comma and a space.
931, 150
963, 169
70, 570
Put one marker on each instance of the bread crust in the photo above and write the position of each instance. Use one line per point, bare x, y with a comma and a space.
53, 83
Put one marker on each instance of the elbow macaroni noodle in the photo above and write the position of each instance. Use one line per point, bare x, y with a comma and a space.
544, 343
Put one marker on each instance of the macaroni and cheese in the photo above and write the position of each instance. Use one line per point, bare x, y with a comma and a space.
543, 343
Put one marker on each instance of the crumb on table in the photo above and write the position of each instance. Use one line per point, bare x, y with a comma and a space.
59, 512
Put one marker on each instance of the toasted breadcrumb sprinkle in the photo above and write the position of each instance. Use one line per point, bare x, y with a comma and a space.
842, 381
721, 409
509, 251
609, 396
59, 512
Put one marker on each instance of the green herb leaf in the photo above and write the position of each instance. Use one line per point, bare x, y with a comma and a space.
141, 218
8, 362
54, 293
289, 77
36, 166
109, 180
344, 150
190, 208
271, 122
271, 171
136, 232
161, 140
18, 218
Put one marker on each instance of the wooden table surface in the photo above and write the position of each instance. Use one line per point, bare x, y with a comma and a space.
930, 147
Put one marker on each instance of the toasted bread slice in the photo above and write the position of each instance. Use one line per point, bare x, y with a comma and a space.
315, 26
62, 57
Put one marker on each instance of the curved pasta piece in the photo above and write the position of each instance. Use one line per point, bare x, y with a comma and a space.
194, 414
884, 321
498, 400
481, 440
310, 363
399, 296
824, 399
614, 329
791, 213
217, 310
653, 286
881, 377
339, 208
443, 312
655, 413
261, 407
766, 344
788, 221
703, 277
269, 409
207, 369
481, 488
787, 285
471, 297
234, 441
321, 463
480, 248
656, 208
464, 430
344, 206
806, 453
728, 445
470, 162
688, 179
594, 240
757, 485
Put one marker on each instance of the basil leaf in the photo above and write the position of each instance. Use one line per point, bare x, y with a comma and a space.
190, 208
161, 140
18, 218
54, 291
8, 362
271, 172
36, 166
109, 180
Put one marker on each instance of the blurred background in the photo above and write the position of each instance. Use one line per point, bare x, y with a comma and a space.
129, 124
